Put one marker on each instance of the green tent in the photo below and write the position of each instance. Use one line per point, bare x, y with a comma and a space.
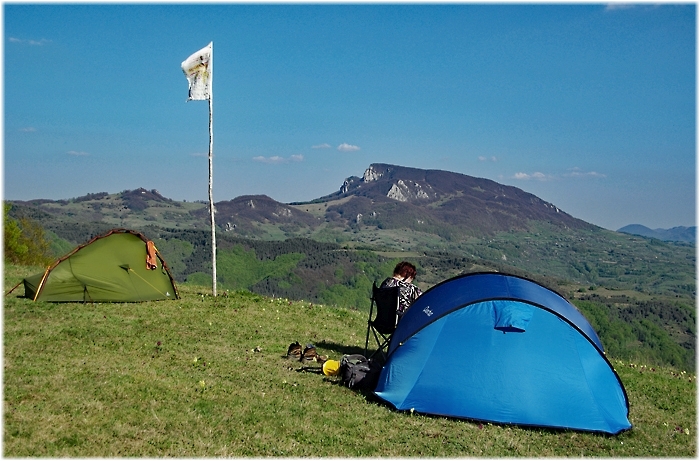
119, 266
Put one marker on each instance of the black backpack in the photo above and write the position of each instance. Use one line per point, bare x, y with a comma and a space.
357, 372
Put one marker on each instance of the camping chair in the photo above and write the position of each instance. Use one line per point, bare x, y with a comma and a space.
384, 324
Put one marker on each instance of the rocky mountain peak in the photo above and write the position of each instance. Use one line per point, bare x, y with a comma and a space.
481, 205
372, 174
406, 191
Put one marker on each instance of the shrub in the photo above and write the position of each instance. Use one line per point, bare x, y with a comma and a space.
25, 241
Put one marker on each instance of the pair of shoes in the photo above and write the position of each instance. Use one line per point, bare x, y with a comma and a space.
294, 352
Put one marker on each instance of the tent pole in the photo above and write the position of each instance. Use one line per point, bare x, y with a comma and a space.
211, 195
13, 289
41, 284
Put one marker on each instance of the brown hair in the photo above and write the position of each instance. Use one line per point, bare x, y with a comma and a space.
405, 270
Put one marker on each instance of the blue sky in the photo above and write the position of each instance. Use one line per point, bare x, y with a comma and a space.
588, 106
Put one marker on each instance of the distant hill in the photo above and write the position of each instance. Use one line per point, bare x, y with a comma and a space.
675, 234
399, 211
450, 206
393, 197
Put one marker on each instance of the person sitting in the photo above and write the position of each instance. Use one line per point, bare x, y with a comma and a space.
403, 276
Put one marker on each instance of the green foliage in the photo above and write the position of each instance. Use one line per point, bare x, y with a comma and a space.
15, 249
58, 245
661, 350
199, 278
633, 338
617, 337
354, 294
177, 252
238, 268
25, 241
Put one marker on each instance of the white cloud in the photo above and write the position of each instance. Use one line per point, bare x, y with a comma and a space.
578, 173
572, 173
321, 146
619, 6
41, 42
536, 176
345, 147
488, 159
276, 159
76, 153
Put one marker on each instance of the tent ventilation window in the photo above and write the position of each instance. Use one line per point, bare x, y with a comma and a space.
512, 317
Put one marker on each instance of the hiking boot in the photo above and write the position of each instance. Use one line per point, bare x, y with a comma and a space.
294, 351
309, 354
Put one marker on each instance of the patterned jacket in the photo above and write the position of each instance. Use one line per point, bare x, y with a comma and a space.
407, 293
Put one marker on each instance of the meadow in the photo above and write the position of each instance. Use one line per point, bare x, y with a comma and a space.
207, 377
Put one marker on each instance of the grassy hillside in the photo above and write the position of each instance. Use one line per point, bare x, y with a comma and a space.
205, 377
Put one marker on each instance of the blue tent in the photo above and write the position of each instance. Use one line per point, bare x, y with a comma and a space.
504, 349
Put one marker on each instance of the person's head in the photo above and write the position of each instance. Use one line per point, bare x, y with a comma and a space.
405, 270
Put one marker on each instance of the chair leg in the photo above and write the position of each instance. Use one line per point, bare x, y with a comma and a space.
367, 339
374, 333
369, 325
381, 345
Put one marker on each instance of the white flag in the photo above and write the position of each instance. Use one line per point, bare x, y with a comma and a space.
198, 70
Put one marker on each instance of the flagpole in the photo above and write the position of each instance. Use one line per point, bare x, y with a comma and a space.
211, 177
199, 70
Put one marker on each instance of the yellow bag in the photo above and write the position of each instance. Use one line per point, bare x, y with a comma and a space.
331, 367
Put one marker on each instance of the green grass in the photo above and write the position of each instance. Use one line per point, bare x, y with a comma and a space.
205, 377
